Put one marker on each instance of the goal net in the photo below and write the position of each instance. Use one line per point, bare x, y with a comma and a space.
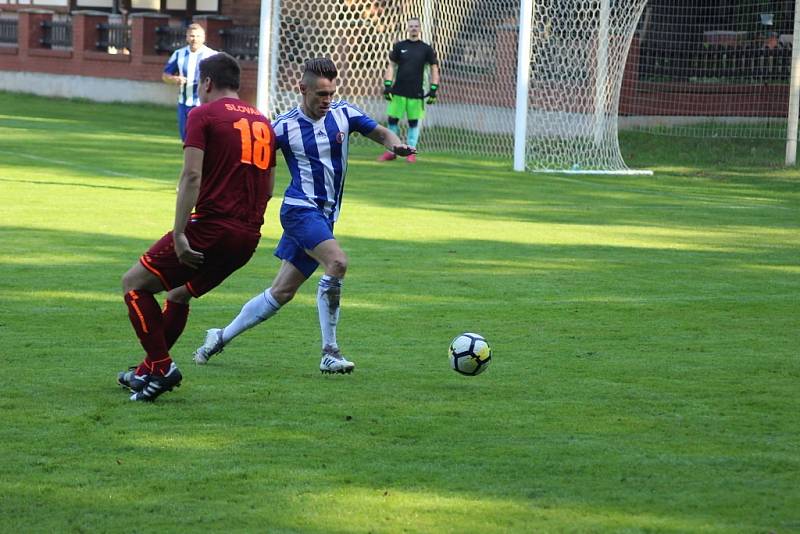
578, 50
711, 69
578, 54
475, 41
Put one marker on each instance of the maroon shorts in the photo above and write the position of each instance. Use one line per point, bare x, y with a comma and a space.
225, 247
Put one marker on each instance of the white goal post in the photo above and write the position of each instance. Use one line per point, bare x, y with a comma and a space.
571, 61
536, 81
794, 92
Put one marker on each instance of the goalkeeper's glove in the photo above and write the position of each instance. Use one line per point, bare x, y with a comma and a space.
432, 93
387, 89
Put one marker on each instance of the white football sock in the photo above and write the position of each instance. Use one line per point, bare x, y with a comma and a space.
328, 294
257, 310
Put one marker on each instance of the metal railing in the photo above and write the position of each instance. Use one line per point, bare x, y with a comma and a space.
8, 31
241, 43
113, 36
170, 38
56, 34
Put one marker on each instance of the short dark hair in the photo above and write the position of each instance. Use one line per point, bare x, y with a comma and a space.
195, 26
320, 67
223, 69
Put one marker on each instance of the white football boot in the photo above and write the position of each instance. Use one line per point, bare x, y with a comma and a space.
213, 345
333, 362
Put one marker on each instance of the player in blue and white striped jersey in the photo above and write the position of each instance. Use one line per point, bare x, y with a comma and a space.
314, 140
316, 154
183, 70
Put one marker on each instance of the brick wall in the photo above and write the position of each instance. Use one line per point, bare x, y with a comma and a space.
243, 12
142, 64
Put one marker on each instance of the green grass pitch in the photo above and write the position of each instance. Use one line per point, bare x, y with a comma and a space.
646, 332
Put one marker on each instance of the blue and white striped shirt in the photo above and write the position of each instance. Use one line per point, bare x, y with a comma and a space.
186, 63
316, 154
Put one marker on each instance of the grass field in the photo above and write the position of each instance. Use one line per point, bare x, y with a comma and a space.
645, 334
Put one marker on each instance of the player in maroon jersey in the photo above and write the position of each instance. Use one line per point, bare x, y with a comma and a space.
227, 177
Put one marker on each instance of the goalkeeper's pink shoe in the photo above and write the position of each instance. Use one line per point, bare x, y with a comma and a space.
387, 156
412, 158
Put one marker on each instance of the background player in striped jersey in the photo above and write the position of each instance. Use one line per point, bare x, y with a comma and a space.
314, 140
181, 70
227, 177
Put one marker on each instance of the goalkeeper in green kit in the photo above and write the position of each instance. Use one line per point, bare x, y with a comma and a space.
402, 85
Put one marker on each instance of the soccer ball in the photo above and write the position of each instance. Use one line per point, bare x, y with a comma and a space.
470, 354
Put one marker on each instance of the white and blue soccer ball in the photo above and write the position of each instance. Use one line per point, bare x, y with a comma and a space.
470, 354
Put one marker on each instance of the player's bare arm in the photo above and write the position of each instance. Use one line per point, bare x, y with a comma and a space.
188, 190
390, 70
388, 81
176, 79
270, 182
434, 74
390, 141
